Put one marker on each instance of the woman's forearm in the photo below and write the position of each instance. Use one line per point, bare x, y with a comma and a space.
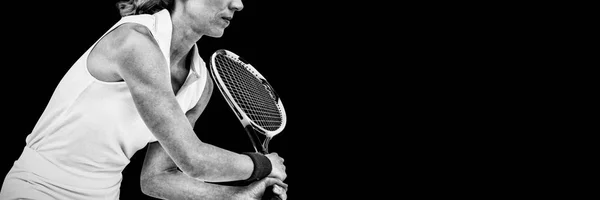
213, 164
176, 185
197, 159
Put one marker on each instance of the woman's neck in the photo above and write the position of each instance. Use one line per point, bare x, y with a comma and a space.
183, 39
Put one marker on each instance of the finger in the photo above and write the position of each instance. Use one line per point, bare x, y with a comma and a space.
275, 181
283, 196
280, 175
278, 189
282, 193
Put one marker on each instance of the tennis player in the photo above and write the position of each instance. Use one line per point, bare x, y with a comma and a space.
142, 83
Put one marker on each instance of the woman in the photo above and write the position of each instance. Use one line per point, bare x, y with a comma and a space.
142, 83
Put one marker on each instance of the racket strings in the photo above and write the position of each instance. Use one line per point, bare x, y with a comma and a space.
249, 93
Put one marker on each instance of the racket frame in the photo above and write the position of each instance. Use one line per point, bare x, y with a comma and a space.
251, 128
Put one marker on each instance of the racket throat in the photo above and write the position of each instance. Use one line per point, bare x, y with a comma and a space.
254, 138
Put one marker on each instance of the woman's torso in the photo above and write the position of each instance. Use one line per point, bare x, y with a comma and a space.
91, 128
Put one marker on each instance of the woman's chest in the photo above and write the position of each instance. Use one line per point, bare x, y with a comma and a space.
178, 77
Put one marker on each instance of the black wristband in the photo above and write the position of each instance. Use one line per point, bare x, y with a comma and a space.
262, 166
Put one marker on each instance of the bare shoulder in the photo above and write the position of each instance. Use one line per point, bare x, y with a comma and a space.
127, 37
126, 43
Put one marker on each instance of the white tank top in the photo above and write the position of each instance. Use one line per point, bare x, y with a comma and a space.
92, 128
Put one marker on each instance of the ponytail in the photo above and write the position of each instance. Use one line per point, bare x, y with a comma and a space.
137, 7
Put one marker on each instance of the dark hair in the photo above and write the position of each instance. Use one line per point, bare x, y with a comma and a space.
137, 7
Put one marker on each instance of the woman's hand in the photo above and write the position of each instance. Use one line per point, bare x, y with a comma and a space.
278, 169
256, 190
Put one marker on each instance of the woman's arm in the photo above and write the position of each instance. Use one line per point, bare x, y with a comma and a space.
161, 179
142, 66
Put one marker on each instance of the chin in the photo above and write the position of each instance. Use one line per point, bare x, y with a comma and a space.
217, 34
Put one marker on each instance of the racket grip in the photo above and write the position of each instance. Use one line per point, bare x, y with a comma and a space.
270, 195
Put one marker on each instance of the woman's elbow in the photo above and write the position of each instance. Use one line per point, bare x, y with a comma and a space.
150, 185
146, 186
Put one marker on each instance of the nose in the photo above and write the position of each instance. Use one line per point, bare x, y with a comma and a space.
236, 5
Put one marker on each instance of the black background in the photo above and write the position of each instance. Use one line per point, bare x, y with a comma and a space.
373, 91
289, 42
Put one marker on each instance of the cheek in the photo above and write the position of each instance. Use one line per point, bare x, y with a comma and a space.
204, 10
215, 3
207, 24
208, 19
204, 14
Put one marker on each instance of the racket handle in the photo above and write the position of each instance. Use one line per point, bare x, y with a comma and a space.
270, 195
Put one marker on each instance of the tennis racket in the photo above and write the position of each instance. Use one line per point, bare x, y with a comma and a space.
251, 98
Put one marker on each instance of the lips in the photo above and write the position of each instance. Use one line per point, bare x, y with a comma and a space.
227, 19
